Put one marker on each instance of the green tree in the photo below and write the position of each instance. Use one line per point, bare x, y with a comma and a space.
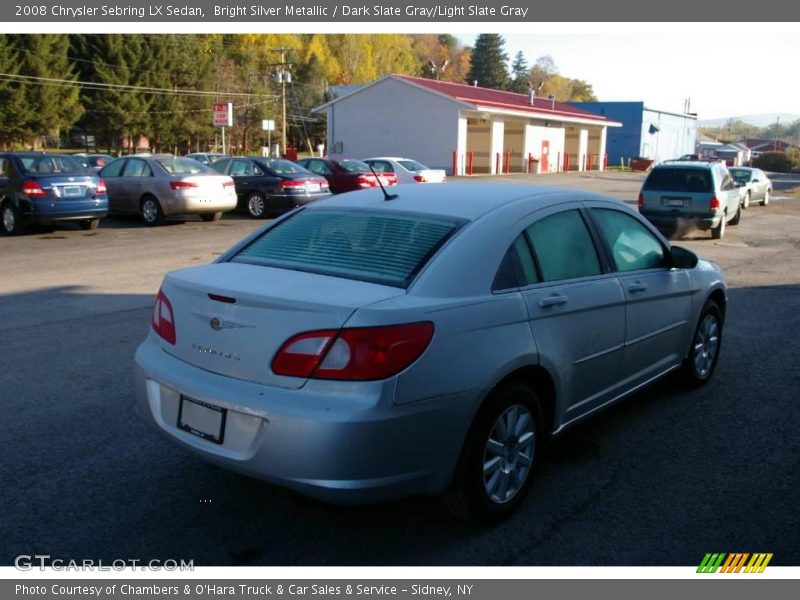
489, 59
519, 74
15, 112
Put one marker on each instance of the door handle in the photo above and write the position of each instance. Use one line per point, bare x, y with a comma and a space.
553, 300
637, 286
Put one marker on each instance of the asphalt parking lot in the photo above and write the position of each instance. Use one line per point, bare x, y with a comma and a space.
659, 479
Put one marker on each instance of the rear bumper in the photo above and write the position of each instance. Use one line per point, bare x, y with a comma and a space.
285, 202
66, 210
180, 203
671, 220
339, 442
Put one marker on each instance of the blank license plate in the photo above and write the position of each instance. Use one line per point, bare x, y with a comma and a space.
312, 187
677, 202
201, 419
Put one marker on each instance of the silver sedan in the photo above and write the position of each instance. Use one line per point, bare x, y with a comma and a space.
358, 349
159, 186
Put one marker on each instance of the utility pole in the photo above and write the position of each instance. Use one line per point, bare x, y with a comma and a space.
283, 100
777, 128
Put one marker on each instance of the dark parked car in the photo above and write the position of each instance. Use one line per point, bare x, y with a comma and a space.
38, 188
267, 186
346, 174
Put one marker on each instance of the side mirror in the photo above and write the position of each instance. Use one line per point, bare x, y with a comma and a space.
683, 258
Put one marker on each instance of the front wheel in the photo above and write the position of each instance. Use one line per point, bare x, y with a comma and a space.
765, 201
496, 466
746, 201
211, 217
706, 344
12, 224
737, 217
257, 205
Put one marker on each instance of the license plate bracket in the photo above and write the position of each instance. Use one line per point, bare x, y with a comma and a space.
204, 420
674, 202
71, 191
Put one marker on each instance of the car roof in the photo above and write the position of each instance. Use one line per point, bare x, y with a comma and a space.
458, 200
395, 158
688, 164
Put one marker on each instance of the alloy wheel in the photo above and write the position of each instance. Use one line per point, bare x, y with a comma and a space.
9, 219
508, 454
706, 345
256, 205
149, 211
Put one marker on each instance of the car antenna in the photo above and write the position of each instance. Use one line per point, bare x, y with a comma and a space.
386, 195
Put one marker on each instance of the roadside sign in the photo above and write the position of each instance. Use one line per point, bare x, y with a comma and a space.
223, 114
268, 125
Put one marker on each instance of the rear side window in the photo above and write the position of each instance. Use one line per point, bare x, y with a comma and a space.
113, 168
564, 247
632, 245
378, 246
679, 180
353, 166
183, 166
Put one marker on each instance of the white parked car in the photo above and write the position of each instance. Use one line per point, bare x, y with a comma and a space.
406, 169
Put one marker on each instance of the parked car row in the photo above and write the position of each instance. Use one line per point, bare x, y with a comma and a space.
703, 194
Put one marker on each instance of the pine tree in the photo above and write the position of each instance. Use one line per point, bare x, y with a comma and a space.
489, 62
519, 74
15, 112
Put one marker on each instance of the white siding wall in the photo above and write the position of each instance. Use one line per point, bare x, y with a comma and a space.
392, 118
675, 137
535, 134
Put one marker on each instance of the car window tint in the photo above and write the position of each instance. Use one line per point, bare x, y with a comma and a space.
564, 247
353, 166
183, 166
381, 166
526, 262
136, 168
632, 245
241, 168
113, 168
281, 166
412, 165
676, 179
53, 165
383, 247
220, 166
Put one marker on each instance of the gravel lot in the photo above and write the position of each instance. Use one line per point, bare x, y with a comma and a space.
659, 479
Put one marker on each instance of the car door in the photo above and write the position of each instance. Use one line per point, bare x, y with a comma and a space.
759, 184
131, 186
658, 298
576, 308
241, 170
111, 174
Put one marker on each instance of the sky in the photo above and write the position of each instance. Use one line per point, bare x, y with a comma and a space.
724, 74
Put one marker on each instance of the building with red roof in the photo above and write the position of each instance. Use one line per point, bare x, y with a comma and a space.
464, 128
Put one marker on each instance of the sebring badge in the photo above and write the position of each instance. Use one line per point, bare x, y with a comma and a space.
217, 323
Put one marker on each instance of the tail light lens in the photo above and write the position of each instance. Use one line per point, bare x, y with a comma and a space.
366, 181
714, 205
420, 178
392, 179
228, 184
640, 201
292, 184
32, 188
353, 354
323, 183
101, 187
163, 320
182, 185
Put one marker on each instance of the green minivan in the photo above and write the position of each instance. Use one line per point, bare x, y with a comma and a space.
680, 194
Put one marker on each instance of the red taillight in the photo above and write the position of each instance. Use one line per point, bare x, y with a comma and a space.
714, 205
323, 183
163, 319
353, 354
32, 188
182, 185
292, 184
229, 183
391, 179
101, 187
420, 178
640, 201
366, 181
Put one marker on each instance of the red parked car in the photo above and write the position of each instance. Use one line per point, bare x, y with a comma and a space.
346, 174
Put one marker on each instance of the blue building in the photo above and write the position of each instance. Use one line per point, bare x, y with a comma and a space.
645, 132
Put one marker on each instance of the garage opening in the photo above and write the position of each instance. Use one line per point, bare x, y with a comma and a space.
514, 147
479, 143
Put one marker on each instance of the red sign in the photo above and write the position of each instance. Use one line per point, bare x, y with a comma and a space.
223, 114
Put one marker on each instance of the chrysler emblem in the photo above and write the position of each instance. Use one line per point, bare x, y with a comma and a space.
215, 323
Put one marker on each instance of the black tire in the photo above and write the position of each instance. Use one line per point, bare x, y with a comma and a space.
765, 201
150, 211
11, 220
719, 231
737, 217
468, 496
211, 217
746, 201
701, 342
257, 205
90, 224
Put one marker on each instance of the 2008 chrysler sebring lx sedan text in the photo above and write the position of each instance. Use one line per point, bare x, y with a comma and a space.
361, 348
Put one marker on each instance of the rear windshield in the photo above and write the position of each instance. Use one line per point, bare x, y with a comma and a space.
183, 166
52, 165
354, 166
381, 247
412, 165
282, 167
740, 174
679, 180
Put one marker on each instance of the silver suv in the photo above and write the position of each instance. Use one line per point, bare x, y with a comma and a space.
677, 195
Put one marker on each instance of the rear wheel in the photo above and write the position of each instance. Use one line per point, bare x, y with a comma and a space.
90, 225
746, 201
257, 205
765, 201
211, 217
703, 354
12, 225
497, 461
737, 217
719, 231
151, 211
